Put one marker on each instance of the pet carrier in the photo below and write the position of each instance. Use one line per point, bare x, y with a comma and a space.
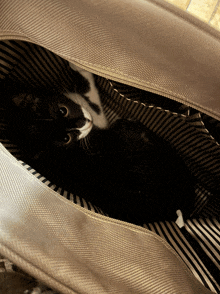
51, 237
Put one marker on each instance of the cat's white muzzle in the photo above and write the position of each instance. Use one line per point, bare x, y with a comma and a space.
85, 130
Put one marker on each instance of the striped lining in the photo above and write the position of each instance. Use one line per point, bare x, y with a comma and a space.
25, 62
148, 98
210, 237
186, 132
206, 233
70, 196
34, 65
8, 59
202, 199
177, 239
204, 236
213, 125
172, 127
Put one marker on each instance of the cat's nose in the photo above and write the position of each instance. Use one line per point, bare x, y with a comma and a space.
75, 123
80, 122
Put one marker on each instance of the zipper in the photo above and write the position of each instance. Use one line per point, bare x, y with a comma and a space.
119, 77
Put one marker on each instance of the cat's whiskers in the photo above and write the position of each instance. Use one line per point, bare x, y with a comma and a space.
88, 143
85, 143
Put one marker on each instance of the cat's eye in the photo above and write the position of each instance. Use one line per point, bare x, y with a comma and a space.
64, 111
67, 139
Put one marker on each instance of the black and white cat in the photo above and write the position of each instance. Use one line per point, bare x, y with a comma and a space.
127, 171
89, 100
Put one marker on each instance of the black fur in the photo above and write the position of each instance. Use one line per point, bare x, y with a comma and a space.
128, 171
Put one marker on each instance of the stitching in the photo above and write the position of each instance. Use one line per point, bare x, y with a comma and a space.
171, 93
141, 103
166, 110
89, 213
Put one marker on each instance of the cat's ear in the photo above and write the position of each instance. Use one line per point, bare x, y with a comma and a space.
25, 99
19, 99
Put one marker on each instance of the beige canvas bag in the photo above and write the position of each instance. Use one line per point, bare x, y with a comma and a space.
147, 44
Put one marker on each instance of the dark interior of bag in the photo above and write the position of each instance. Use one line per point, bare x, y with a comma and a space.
192, 134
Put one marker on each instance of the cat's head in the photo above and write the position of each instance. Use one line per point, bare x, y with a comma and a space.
43, 119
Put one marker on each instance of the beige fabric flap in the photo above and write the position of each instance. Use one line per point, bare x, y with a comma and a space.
77, 251
149, 44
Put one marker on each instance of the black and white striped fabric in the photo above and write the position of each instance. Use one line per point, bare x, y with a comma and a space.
70, 196
197, 243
